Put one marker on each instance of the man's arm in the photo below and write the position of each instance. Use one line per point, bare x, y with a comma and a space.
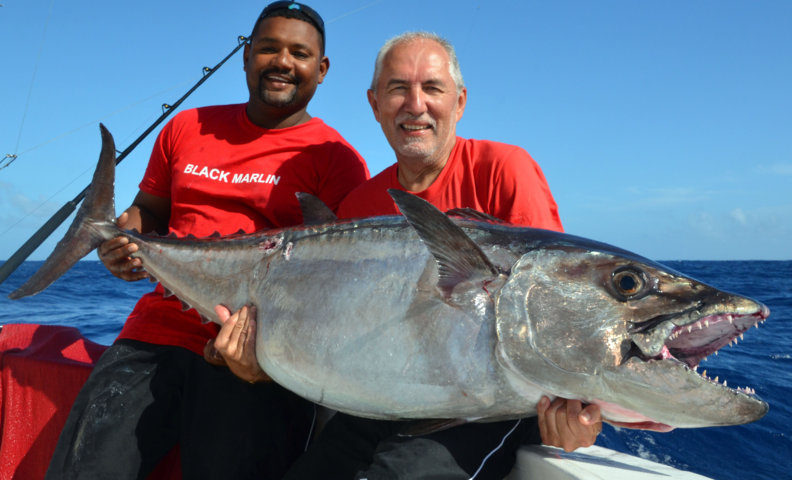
147, 213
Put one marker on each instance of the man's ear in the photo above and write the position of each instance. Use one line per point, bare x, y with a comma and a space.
324, 66
245, 55
372, 98
461, 102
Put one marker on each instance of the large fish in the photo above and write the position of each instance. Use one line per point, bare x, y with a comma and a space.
431, 316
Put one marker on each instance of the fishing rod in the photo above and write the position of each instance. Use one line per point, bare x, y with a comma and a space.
54, 222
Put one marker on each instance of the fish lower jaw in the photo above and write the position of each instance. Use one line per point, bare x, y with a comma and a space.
621, 417
688, 345
666, 356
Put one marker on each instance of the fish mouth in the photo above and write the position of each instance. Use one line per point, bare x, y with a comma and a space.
687, 345
690, 343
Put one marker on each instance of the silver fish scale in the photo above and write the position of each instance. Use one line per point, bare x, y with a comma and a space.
380, 315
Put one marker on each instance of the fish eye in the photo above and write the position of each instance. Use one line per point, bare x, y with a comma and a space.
629, 282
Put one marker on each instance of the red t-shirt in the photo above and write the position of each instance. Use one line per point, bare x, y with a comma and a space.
495, 178
222, 173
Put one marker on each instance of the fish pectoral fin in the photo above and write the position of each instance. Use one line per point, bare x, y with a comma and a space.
459, 258
314, 211
425, 427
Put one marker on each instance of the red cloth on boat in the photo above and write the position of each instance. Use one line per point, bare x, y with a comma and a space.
42, 368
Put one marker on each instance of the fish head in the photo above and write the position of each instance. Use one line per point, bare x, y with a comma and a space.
583, 320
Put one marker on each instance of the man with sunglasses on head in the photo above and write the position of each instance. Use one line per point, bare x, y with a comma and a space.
213, 169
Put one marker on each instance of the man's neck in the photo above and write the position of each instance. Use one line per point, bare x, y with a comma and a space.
418, 176
275, 119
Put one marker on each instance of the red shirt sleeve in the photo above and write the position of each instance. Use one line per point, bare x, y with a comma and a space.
157, 179
520, 194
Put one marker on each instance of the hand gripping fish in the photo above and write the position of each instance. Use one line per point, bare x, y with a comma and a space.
435, 316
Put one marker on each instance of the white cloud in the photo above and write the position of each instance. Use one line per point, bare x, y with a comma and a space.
772, 221
776, 168
739, 216
15, 205
640, 198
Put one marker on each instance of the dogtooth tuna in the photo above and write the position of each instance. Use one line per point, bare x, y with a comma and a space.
448, 316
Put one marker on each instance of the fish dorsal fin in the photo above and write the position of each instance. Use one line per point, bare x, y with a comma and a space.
314, 211
472, 214
459, 258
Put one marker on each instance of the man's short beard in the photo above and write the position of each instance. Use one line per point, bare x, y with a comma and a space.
277, 100
417, 150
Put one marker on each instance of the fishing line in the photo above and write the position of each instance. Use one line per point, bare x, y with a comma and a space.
352, 12
32, 82
70, 132
10, 158
35, 209
66, 210
94, 122
42, 233
7, 160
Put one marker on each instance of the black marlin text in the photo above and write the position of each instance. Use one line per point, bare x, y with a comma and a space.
223, 176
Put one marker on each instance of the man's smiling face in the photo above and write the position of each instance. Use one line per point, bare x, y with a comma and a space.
283, 63
416, 101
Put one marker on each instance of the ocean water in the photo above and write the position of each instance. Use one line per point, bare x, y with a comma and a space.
89, 298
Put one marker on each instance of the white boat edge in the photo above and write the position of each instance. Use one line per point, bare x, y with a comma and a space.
590, 463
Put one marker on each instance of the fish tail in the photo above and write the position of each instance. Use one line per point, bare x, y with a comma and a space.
92, 225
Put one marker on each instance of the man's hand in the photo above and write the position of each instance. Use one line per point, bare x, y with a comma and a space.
114, 254
566, 424
235, 344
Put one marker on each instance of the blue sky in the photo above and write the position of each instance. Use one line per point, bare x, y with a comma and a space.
662, 127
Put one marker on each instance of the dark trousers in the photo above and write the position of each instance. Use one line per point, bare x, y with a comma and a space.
357, 448
142, 399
